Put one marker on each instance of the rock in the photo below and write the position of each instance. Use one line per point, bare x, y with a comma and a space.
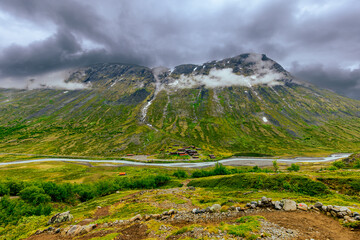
73, 230
50, 229
105, 225
58, 230
191, 188
117, 191
238, 209
215, 208
61, 217
165, 213
137, 217
207, 209
99, 207
357, 217
87, 228
147, 217
318, 205
197, 211
333, 213
232, 208
324, 208
302, 206
171, 212
253, 206
345, 209
289, 205
277, 205
254, 203
264, 200
355, 214
155, 216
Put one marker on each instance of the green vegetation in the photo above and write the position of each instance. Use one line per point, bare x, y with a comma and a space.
294, 167
248, 227
35, 196
279, 182
220, 169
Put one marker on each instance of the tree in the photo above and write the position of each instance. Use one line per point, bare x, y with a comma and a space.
34, 195
275, 165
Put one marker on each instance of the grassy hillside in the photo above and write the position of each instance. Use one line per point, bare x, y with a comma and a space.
106, 119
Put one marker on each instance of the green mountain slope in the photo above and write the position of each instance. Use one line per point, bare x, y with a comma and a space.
227, 106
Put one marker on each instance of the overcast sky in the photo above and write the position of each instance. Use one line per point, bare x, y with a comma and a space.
318, 41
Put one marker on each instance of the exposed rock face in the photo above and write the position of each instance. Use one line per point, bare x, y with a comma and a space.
61, 217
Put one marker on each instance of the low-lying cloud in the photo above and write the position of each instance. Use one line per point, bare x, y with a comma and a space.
53, 80
226, 77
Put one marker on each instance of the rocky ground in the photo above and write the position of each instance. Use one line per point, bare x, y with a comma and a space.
281, 220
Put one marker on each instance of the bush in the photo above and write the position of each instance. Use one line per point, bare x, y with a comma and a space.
4, 189
294, 167
338, 164
278, 182
34, 195
332, 168
180, 174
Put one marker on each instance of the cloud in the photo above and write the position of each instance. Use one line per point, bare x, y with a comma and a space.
168, 33
343, 81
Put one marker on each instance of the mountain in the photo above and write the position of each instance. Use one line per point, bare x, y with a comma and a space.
244, 104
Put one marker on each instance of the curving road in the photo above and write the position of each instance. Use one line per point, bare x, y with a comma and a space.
235, 161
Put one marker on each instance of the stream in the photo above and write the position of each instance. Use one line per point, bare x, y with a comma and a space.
235, 161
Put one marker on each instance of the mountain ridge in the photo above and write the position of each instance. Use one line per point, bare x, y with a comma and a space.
259, 107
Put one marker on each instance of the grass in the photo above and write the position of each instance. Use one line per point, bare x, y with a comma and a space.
247, 227
227, 190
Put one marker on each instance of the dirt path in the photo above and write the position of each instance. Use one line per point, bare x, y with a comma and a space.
312, 225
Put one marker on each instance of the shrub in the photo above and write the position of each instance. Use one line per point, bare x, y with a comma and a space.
278, 182
34, 195
338, 164
4, 189
294, 167
276, 166
332, 168
180, 174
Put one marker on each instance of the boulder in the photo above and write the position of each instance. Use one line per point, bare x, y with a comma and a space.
73, 230
147, 217
61, 217
135, 218
289, 205
277, 205
302, 206
357, 217
318, 205
171, 212
87, 228
215, 208
324, 208
155, 216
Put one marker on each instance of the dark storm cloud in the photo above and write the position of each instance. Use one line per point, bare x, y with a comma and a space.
169, 32
344, 81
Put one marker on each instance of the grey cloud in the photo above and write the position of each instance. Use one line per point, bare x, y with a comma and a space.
343, 81
169, 32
